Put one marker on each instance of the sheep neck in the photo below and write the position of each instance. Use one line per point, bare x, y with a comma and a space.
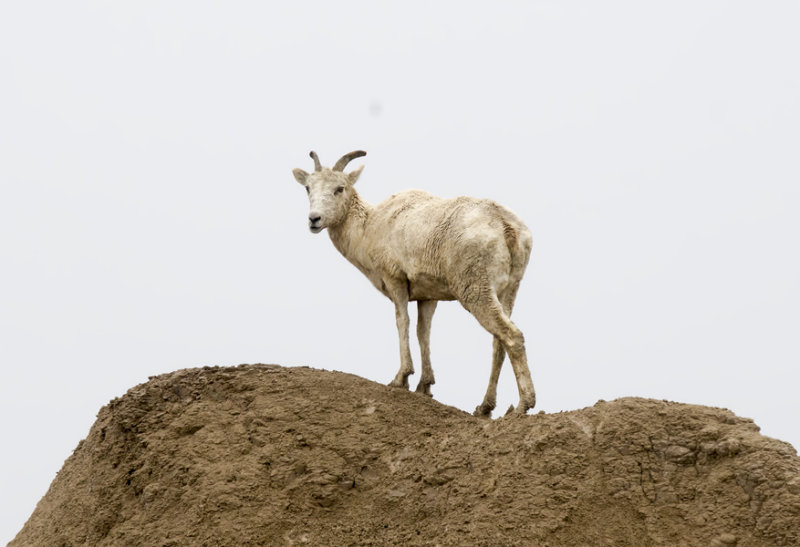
348, 236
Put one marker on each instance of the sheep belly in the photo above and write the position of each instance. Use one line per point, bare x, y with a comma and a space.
428, 287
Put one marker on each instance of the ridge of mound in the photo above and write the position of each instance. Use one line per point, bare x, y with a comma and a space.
266, 455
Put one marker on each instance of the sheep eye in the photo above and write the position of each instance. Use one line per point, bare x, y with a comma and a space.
308, 190
338, 191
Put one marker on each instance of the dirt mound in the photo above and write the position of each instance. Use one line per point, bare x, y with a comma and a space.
265, 455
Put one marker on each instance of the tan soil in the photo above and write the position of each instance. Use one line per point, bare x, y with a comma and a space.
265, 455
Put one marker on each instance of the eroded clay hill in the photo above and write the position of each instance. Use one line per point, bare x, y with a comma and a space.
264, 455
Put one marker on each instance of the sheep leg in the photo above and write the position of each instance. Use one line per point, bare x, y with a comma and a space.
425, 309
399, 295
498, 355
490, 399
491, 315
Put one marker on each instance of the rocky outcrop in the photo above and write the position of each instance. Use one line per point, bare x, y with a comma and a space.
265, 455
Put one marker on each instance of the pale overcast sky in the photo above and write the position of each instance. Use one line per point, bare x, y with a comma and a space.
150, 221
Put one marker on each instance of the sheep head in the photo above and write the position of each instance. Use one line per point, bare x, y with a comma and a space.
330, 190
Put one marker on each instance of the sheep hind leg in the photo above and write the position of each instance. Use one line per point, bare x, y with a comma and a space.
490, 399
491, 315
425, 309
498, 355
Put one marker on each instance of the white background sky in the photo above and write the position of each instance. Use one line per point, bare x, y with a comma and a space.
150, 222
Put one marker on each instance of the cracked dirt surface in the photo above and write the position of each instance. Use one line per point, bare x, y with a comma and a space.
265, 455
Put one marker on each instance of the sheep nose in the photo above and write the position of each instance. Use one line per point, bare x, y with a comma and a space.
313, 219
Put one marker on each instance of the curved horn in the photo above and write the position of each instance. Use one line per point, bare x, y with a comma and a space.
317, 166
347, 158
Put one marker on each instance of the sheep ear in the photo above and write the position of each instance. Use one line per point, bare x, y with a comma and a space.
352, 176
300, 175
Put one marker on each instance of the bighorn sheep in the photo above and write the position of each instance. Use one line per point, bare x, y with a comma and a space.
415, 246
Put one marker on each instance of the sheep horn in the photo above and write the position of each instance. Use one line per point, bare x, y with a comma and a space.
347, 158
317, 166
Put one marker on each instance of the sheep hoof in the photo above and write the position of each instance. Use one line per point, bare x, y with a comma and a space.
399, 383
425, 389
483, 411
522, 408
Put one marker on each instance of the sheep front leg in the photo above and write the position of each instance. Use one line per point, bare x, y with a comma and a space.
400, 298
425, 309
